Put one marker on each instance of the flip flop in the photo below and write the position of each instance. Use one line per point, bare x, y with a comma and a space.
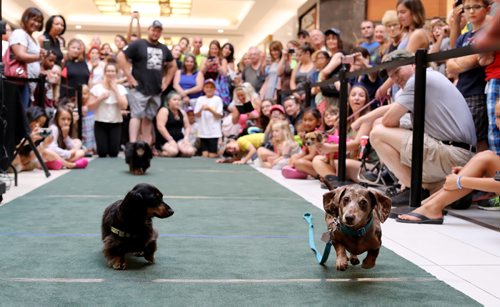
423, 219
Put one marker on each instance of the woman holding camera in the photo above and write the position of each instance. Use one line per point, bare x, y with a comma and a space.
215, 67
52, 39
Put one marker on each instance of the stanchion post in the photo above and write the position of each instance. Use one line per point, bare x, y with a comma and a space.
418, 127
79, 100
342, 123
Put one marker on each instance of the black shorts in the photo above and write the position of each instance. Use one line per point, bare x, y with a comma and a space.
210, 145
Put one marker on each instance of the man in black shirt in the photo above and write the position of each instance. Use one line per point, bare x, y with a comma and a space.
153, 69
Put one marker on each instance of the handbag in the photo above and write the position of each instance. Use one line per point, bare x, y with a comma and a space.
13, 67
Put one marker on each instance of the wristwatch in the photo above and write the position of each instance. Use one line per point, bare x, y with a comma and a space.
497, 176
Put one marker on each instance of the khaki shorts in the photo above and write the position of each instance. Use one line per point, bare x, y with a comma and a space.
438, 157
142, 106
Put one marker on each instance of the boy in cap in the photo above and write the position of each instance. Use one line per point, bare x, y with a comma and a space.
209, 111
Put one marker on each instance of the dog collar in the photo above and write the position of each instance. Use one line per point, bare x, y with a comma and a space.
358, 233
120, 233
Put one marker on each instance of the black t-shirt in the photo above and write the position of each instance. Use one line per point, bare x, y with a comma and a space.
53, 44
74, 73
470, 82
148, 63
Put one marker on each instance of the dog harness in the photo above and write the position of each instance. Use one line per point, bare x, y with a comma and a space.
357, 233
336, 225
120, 233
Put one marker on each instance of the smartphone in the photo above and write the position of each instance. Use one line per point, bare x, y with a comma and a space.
44, 132
457, 3
291, 51
46, 45
348, 59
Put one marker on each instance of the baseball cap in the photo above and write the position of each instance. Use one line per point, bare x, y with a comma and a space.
209, 81
277, 107
333, 31
189, 109
395, 55
156, 24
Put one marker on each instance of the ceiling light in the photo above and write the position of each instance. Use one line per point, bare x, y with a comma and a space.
169, 8
220, 31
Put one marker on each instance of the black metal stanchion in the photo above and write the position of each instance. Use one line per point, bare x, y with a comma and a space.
79, 100
418, 127
418, 134
340, 179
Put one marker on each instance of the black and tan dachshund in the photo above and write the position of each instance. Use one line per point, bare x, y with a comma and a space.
138, 156
127, 225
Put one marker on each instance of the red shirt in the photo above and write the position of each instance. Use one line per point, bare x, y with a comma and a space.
493, 70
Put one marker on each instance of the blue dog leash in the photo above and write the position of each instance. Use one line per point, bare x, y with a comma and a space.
320, 258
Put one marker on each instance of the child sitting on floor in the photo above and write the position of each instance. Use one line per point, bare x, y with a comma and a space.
300, 164
70, 152
284, 146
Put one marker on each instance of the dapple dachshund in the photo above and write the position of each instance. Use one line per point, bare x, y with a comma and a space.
353, 216
127, 225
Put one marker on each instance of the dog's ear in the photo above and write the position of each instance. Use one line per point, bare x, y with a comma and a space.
319, 137
148, 153
331, 201
381, 204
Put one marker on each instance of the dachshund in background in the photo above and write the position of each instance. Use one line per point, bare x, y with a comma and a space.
127, 225
353, 216
138, 156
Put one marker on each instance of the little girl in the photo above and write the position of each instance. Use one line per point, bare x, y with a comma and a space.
284, 146
300, 164
69, 150
358, 97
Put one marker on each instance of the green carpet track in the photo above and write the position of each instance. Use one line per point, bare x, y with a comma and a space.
236, 238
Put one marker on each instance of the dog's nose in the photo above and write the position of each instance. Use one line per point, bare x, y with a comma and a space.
170, 212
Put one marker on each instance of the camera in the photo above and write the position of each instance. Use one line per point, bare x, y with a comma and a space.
348, 59
291, 51
44, 132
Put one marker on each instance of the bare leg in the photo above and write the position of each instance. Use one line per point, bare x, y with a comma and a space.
305, 166
170, 149
133, 129
483, 164
387, 144
147, 130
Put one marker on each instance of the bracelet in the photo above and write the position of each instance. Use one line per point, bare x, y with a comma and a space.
459, 186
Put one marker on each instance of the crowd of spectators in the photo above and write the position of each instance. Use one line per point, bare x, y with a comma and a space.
256, 109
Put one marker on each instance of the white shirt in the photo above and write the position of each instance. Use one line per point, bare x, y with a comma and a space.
108, 110
20, 37
210, 127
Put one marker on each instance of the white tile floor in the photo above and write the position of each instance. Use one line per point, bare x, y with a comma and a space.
462, 254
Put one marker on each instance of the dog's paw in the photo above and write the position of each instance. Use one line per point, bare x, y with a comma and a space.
117, 264
341, 264
354, 259
368, 263
150, 259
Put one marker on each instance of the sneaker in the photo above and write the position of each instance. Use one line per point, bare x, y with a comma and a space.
492, 204
403, 197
